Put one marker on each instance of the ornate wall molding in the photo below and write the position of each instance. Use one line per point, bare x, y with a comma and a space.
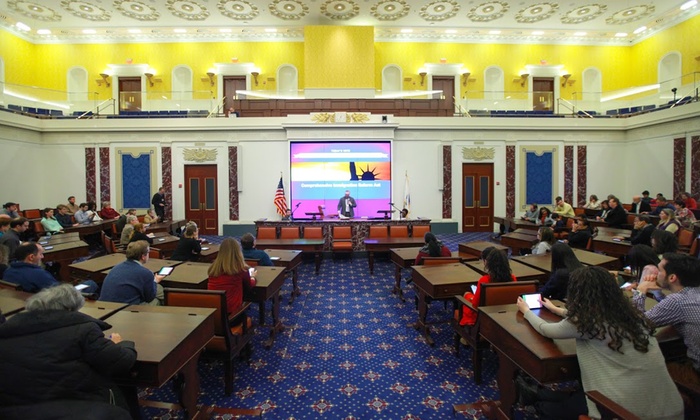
199, 155
478, 153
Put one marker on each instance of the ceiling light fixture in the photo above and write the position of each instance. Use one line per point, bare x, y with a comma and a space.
538, 32
22, 26
406, 31
579, 33
43, 32
89, 31
687, 5
640, 30
621, 34
270, 30
450, 31
494, 32
179, 30
134, 31
225, 30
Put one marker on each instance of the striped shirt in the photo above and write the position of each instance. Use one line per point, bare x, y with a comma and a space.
682, 310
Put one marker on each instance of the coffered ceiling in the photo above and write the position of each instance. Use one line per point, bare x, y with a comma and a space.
597, 22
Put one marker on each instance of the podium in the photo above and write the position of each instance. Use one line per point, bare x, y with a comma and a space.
314, 214
386, 213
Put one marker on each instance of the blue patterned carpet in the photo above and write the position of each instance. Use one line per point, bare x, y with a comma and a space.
349, 352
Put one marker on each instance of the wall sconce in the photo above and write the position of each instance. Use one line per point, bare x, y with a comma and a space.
523, 79
211, 77
465, 78
566, 79
149, 76
422, 77
104, 80
255, 75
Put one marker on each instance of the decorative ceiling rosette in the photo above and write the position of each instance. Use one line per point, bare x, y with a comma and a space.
630, 14
86, 10
340, 9
487, 12
439, 10
288, 9
34, 11
583, 13
187, 10
136, 10
536, 12
238, 9
390, 10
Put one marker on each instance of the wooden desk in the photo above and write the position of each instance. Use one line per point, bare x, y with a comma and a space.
543, 262
439, 282
385, 244
477, 247
519, 239
64, 254
521, 271
168, 343
188, 275
167, 227
517, 223
101, 310
92, 228
609, 231
98, 268
314, 246
59, 238
165, 242
404, 258
611, 247
269, 281
12, 301
209, 254
289, 260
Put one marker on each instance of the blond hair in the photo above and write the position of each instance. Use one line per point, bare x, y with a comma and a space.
229, 260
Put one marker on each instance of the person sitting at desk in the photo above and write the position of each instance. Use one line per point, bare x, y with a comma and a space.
82, 217
250, 253
139, 234
497, 271
662, 203
11, 238
188, 247
581, 233
679, 273
107, 212
287, 215
51, 352
668, 221
230, 273
563, 208
564, 262
30, 276
49, 223
530, 215
130, 282
684, 215
92, 211
615, 348
128, 229
544, 217
122, 222
63, 217
617, 216
639, 206
689, 201
663, 241
4, 225
604, 210
150, 217
593, 203
641, 234
10, 209
71, 206
432, 248
545, 238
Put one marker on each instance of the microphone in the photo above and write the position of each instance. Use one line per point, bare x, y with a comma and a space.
391, 204
298, 204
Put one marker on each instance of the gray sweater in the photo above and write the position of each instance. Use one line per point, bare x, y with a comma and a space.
619, 376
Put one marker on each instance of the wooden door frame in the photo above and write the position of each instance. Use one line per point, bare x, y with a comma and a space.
490, 168
214, 168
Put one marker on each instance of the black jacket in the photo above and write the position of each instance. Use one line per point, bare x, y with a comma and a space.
643, 206
556, 287
642, 236
59, 355
616, 217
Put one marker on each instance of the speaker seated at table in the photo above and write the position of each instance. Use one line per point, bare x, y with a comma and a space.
313, 232
342, 239
378, 231
289, 232
398, 231
491, 294
419, 231
267, 232
229, 340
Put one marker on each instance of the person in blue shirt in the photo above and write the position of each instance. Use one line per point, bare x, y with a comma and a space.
250, 253
82, 217
132, 283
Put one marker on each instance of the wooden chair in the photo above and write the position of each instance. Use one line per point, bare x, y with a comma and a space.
685, 239
267, 232
289, 233
579, 211
491, 294
32, 214
228, 341
563, 233
39, 228
313, 232
419, 231
155, 253
398, 231
691, 399
378, 231
7, 285
342, 239
694, 247
441, 260
608, 408
252, 262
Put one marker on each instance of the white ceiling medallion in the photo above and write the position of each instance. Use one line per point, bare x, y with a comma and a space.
389, 10
34, 11
187, 10
136, 10
340, 9
288, 9
487, 12
238, 9
630, 14
439, 10
86, 10
583, 13
536, 12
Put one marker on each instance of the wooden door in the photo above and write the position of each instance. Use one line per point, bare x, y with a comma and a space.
231, 85
543, 93
477, 197
201, 198
447, 85
130, 94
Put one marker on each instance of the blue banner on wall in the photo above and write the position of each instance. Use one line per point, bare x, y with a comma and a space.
538, 177
136, 181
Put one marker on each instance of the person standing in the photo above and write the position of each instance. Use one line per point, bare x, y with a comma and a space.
346, 205
158, 202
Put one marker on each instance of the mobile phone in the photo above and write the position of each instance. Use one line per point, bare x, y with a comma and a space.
533, 300
47, 248
164, 271
625, 285
251, 271
80, 286
473, 288
204, 248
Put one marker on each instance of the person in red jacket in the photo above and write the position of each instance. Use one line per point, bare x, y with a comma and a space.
432, 248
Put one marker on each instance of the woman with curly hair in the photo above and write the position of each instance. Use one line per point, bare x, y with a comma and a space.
615, 347
497, 271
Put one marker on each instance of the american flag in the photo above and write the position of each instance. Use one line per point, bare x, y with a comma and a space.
280, 200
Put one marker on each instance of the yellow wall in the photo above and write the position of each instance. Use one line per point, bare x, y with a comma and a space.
684, 38
339, 56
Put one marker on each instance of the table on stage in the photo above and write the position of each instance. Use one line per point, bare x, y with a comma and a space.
521, 271
268, 282
289, 260
385, 244
92, 228
100, 309
168, 343
440, 282
188, 275
519, 239
314, 246
64, 254
477, 247
12, 301
404, 258
209, 252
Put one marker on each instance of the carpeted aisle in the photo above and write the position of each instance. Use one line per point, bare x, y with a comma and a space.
349, 351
